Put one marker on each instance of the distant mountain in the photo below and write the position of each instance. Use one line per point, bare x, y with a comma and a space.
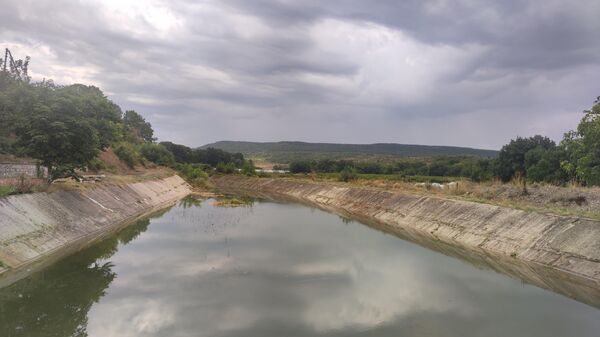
284, 152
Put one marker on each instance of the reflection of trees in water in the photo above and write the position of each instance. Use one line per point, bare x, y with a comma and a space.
190, 201
56, 301
346, 220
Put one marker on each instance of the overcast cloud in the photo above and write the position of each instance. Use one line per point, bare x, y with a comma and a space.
469, 73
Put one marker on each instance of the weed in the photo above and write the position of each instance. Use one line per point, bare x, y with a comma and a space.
6, 190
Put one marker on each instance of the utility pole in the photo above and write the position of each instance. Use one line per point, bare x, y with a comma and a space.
18, 68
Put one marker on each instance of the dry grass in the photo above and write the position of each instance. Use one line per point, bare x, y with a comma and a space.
22, 185
571, 200
116, 172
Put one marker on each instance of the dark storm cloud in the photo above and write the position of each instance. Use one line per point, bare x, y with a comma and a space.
435, 72
521, 34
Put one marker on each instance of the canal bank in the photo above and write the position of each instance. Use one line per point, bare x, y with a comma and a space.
35, 228
565, 244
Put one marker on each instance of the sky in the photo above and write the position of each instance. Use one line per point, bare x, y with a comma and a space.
464, 73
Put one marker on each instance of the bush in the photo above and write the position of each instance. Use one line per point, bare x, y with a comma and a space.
6, 190
193, 174
96, 165
157, 154
347, 175
128, 154
300, 167
228, 168
248, 168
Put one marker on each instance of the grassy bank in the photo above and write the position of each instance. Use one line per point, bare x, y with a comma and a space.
542, 198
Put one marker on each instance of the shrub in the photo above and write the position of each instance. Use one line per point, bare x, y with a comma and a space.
96, 165
347, 175
128, 154
193, 174
300, 167
228, 168
248, 168
157, 154
6, 190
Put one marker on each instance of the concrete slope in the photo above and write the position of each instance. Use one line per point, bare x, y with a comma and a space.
34, 226
566, 244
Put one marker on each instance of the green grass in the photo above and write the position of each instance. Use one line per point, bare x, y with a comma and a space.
233, 202
6, 190
3, 265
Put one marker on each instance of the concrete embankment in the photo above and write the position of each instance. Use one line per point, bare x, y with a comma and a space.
566, 244
39, 225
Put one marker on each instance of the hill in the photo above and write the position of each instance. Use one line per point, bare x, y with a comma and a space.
284, 152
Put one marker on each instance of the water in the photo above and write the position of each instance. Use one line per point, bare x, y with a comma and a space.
276, 270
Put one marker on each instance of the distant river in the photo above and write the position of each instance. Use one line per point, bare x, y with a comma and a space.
276, 270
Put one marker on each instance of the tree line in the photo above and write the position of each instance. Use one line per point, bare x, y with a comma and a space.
474, 168
66, 127
529, 159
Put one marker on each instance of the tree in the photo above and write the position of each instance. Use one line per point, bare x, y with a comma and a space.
93, 105
544, 165
62, 127
157, 154
17, 69
583, 148
182, 153
511, 159
248, 168
213, 157
58, 139
16, 99
300, 166
136, 129
228, 168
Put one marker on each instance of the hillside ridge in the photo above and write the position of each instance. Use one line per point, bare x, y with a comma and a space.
285, 150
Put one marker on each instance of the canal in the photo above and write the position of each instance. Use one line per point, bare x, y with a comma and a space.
276, 269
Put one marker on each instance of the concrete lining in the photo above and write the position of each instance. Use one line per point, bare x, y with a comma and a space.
37, 226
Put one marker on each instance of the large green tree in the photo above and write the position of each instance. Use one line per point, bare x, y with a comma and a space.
583, 148
55, 133
157, 154
545, 165
512, 157
102, 114
136, 129
182, 153
16, 98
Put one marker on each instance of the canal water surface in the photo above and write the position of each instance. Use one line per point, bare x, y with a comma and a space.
275, 269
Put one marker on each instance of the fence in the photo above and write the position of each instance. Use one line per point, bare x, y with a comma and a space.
16, 170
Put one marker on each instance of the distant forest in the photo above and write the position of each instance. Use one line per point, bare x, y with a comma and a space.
286, 152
